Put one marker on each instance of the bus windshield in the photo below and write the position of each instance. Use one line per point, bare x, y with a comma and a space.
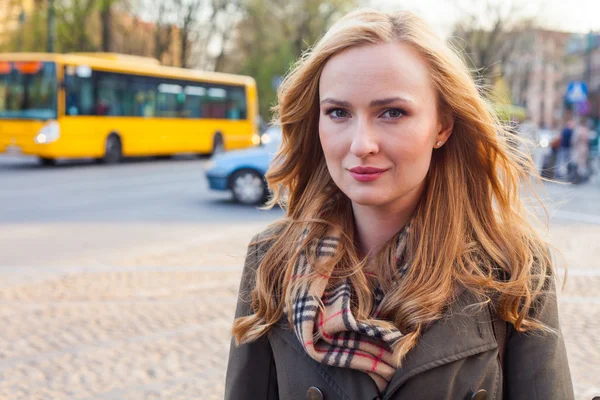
28, 90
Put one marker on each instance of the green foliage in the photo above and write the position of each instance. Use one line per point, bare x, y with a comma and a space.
72, 25
72, 21
274, 33
30, 35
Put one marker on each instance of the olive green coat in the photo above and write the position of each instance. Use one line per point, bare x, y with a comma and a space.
455, 358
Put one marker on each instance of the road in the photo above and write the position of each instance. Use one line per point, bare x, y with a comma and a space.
75, 212
119, 282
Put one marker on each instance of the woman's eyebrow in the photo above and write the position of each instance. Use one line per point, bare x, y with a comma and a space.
335, 102
374, 103
390, 100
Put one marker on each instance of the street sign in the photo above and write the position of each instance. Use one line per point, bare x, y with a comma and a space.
577, 92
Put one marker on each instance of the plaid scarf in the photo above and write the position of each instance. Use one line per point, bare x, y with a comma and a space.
332, 335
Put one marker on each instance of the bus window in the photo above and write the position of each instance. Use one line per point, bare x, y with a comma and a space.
79, 93
216, 103
113, 94
170, 100
143, 91
113, 97
194, 98
236, 103
28, 89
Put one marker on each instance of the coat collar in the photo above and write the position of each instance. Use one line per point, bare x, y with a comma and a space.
464, 331
439, 345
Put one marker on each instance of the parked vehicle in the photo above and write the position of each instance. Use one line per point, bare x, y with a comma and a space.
243, 171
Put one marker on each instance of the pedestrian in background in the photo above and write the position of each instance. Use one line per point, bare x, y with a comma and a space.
581, 149
564, 152
406, 266
594, 150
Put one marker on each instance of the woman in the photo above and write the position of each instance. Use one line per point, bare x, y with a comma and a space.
406, 250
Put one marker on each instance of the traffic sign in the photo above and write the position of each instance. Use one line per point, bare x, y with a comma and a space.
577, 92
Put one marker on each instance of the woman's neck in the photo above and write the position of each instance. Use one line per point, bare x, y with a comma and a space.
375, 226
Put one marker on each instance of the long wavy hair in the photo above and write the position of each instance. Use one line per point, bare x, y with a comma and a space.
470, 231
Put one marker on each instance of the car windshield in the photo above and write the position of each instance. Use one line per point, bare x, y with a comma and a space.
28, 90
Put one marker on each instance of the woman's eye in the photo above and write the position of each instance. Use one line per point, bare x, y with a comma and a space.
337, 113
393, 113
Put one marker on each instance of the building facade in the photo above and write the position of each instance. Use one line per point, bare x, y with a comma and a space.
582, 60
535, 75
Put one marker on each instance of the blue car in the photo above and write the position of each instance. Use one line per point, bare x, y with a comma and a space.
243, 171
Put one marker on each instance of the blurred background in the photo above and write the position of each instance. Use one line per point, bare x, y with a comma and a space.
134, 139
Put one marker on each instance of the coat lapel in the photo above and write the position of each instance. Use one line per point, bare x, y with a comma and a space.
460, 334
350, 384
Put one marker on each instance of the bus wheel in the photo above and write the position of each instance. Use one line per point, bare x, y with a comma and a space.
47, 162
218, 144
113, 152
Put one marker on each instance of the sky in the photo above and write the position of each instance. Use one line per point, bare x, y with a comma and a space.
578, 16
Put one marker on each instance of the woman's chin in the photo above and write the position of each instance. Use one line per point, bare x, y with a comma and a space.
370, 198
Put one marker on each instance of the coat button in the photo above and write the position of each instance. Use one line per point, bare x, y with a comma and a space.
314, 393
480, 395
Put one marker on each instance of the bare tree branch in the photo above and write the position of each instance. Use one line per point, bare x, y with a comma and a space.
489, 31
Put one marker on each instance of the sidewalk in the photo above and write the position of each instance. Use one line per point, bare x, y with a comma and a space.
155, 324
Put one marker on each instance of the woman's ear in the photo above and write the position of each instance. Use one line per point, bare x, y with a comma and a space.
445, 128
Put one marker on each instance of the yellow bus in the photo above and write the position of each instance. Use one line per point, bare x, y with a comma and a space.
109, 106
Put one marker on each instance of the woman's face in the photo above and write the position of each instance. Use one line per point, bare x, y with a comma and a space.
378, 123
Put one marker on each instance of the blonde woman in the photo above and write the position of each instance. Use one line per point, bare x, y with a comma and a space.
406, 267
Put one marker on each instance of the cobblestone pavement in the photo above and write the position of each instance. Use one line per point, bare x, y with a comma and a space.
155, 324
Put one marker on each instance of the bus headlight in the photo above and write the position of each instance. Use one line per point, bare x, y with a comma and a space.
49, 133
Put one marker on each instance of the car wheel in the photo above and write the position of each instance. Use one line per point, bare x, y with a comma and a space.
248, 187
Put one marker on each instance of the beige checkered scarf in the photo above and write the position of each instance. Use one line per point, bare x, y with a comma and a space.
332, 335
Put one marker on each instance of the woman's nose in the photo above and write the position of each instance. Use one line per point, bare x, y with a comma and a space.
364, 141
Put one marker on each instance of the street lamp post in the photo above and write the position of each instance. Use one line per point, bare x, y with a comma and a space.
21, 31
51, 26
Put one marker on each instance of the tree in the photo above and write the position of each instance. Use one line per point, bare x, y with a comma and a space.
187, 20
163, 29
307, 20
130, 34
209, 36
30, 32
223, 28
72, 25
106, 24
490, 33
272, 34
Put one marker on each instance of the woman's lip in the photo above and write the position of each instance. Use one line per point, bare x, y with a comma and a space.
366, 177
366, 170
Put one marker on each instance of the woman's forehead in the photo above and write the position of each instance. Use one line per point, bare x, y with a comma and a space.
388, 69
